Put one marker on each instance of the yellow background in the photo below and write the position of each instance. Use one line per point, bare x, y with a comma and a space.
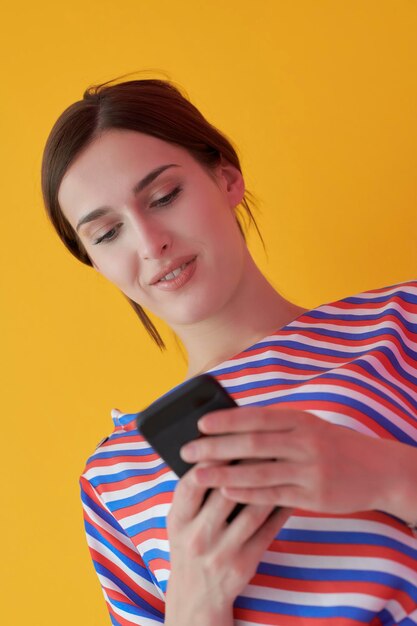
320, 98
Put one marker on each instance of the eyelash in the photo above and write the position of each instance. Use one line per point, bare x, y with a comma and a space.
164, 201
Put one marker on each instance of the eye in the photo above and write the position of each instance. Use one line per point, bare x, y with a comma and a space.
109, 236
168, 198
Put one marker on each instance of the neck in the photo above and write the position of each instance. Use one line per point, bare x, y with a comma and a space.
255, 311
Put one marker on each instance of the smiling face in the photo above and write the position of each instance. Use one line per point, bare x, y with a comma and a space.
157, 224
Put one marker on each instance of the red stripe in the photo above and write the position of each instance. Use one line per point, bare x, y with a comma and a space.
368, 588
116, 460
154, 602
158, 498
271, 619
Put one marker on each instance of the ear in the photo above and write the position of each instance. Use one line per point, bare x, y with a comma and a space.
234, 185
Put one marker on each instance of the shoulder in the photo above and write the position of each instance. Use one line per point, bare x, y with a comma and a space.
400, 298
124, 441
405, 290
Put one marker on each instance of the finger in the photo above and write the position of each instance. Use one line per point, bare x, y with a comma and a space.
187, 499
265, 534
282, 495
245, 524
264, 445
264, 474
249, 418
214, 512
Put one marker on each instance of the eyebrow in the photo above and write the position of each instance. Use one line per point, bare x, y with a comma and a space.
140, 186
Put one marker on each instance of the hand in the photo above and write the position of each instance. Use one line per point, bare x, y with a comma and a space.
302, 461
212, 561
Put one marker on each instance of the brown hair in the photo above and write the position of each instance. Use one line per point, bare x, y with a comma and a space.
152, 106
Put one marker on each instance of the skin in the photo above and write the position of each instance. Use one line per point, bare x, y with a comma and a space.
292, 458
299, 460
217, 314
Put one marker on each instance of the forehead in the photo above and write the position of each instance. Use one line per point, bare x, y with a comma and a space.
111, 165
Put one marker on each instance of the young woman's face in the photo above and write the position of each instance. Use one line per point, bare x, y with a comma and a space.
155, 223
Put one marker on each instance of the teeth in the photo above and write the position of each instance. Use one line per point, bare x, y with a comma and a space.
175, 273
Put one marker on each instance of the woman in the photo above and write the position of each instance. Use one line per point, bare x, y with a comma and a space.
141, 187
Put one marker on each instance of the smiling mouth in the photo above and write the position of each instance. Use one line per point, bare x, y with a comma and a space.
171, 276
174, 273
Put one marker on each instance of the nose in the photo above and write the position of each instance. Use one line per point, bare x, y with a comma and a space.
153, 238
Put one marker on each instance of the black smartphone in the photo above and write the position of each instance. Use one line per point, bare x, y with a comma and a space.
171, 421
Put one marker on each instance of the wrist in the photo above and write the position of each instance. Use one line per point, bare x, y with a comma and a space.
182, 607
206, 616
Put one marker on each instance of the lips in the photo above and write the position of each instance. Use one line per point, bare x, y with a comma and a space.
174, 265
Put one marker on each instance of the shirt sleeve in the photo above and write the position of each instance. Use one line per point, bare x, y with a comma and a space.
131, 595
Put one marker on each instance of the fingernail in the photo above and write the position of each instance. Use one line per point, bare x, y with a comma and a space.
200, 424
189, 452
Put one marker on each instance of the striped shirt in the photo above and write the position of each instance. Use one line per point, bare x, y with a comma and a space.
353, 363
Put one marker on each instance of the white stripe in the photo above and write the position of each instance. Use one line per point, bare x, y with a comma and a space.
106, 527
413, 616
352, 330
152, 544
385, 374
135, 619
343, 420
108, 470
392, 417
406, 286
301, 359
162, 574
357, 563
137, 580
351, 525
159, 510
324, 598
377, 386
124, 447
133, 490
269, 377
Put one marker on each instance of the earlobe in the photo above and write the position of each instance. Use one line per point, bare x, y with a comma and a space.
235, 184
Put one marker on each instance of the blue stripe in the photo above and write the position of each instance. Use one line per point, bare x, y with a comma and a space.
320, 380
165, 487
136, 452
301, 610
370, 387
357, 318
338, 575
345, 538
133, 565
154, 522
141, 608
370, 369
339, 351
105, 479
156, 553
396, 366
343, 401
387, 619
307, 349
105, 515
411, 298
351, 336
278, 361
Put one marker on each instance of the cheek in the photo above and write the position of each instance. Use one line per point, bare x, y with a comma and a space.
118, 267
